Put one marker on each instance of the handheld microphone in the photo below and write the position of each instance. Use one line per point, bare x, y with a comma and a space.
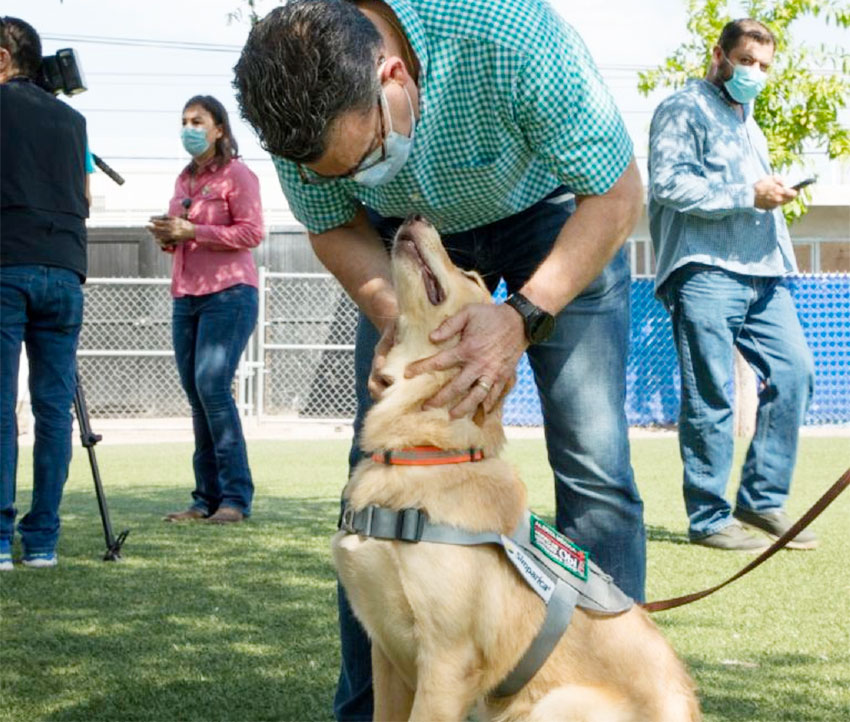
100, 163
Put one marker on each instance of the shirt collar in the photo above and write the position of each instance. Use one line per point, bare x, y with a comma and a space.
709, 87
414, 29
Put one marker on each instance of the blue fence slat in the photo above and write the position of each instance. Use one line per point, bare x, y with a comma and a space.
652, 376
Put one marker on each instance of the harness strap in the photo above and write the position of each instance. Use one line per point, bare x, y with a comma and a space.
426, 456
408, 525
560, 596
559, 614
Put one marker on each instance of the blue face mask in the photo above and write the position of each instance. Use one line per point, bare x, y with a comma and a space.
397, 152
194, 140
746, 83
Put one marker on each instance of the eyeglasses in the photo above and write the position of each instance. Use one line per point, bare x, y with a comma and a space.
310, 177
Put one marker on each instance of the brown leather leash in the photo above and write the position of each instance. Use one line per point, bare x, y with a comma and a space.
795, 529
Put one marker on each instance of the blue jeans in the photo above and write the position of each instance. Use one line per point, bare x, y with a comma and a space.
209, 334
41, 306
713, 312
580, 374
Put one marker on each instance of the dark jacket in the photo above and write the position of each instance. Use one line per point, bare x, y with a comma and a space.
42, 179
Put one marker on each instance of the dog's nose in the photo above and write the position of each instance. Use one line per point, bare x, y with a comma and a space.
417, 218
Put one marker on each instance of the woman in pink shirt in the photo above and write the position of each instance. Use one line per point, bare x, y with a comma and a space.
213, 221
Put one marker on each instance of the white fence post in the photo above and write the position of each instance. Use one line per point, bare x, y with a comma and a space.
261, 345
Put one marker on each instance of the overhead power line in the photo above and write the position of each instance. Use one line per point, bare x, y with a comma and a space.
146, 43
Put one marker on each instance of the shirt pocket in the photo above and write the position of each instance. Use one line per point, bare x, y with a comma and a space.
211, 211
480, 179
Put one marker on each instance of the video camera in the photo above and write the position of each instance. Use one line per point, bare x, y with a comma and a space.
62, 73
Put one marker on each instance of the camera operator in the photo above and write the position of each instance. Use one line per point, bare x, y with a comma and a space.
42, 266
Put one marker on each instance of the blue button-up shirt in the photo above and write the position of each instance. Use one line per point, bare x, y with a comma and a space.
704, 160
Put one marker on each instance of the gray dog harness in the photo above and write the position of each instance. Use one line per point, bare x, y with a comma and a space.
559, 572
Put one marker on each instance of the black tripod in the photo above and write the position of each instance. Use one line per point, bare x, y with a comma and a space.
89, 439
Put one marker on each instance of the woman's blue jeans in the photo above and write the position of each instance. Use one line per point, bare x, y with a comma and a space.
41, 306
209, 334
715, 311
580, 374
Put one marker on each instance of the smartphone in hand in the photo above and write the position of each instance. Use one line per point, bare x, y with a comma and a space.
805, 182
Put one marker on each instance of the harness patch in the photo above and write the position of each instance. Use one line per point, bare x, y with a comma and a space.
559, 549
529, 569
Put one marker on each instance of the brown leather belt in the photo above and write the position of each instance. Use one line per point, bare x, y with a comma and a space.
797, 527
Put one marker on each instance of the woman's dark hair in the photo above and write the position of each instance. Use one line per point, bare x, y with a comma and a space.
304, 65
226, 147
23, 44
734, 30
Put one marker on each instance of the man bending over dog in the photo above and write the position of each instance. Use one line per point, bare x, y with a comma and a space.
490, 119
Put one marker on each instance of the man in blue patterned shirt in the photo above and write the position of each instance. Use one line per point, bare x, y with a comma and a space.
490, 119
722, 245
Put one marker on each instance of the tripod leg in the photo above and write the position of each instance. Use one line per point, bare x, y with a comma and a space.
88, 439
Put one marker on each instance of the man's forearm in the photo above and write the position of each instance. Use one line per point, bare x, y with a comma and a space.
355, 255
587, 242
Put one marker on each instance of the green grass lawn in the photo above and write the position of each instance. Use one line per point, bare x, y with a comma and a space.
239, 623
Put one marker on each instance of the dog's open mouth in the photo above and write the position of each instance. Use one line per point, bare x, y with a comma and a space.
405, 242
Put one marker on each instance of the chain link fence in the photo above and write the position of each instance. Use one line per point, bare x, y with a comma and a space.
300, 361
306, 347
125, 357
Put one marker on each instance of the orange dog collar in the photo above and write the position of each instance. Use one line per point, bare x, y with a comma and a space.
427, 456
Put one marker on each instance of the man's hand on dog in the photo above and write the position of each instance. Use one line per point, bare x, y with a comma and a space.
492, 340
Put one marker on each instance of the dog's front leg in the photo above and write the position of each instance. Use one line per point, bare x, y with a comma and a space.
393, 697
446, 689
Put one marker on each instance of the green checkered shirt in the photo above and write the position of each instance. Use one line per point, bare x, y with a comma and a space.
511, 107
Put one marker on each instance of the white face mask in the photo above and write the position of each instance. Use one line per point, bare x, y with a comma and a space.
397, 147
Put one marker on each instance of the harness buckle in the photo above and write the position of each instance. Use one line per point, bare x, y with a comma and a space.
410, 525
346, 520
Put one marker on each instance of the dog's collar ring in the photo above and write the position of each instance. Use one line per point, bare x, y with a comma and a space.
346, 520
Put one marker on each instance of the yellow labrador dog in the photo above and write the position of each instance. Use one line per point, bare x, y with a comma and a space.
449, 623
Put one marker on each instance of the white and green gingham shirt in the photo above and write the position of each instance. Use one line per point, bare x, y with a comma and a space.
511, 107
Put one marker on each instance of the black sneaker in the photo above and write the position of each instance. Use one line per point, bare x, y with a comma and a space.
775, 524
733, 537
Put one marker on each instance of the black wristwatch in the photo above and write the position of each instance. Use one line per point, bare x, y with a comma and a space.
538, 323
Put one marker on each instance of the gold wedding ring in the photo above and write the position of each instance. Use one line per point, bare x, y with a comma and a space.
483, 384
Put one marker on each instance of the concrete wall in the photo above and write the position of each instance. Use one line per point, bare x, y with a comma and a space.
122, 252
131, 251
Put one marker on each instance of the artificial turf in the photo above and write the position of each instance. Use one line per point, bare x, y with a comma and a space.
239, 622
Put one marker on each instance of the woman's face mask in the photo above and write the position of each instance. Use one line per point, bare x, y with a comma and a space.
397, 147
746, 83
194, 140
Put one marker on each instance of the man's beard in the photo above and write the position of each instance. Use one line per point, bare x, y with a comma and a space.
720, 81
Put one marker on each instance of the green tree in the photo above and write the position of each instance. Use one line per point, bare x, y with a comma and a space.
807, 88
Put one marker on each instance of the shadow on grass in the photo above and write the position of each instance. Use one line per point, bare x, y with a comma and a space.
199, 622
782, 687
662, 534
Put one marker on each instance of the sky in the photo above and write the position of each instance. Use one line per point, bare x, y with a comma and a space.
143, 60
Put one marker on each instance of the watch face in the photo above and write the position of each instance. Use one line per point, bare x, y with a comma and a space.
540, 327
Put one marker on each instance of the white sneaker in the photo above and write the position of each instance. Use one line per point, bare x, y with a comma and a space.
40, 561
6, 556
